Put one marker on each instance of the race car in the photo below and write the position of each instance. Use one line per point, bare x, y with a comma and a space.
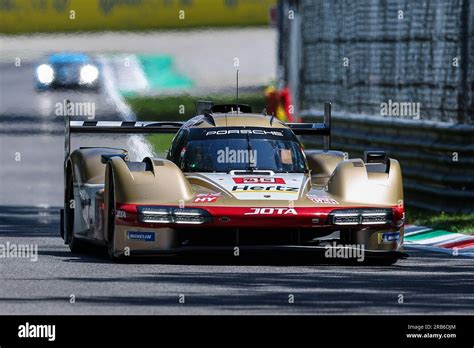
233, 182
67, 70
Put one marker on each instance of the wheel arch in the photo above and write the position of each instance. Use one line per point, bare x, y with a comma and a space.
352, 182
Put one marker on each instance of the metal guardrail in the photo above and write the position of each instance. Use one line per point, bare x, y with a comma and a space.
437, 159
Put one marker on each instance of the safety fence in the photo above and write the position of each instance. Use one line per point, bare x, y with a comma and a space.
364, 54
437, 159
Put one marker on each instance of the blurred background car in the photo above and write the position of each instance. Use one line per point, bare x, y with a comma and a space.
67, 70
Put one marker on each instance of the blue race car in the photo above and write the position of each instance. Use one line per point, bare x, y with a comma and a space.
67, 70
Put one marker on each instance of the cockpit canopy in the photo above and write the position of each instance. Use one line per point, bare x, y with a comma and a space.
222, 149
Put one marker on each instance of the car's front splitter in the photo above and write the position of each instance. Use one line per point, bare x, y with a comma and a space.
325, 252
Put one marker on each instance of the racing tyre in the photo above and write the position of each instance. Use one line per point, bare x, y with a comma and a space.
75, 245
110, 216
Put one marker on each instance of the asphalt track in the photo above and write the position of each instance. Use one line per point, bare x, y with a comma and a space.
428, 283
31, 192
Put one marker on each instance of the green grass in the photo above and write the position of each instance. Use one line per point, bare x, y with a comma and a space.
160, 143
182, 107
453, 222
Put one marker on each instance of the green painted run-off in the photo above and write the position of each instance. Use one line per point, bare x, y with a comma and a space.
427, 235
160, 73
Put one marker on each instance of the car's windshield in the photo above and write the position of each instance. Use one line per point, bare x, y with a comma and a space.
242, 153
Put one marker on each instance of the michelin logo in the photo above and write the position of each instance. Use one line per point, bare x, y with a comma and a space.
142, 236
388, 237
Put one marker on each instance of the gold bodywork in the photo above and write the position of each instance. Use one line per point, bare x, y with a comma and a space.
341, 182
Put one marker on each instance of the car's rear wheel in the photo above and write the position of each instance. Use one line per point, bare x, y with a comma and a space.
75, 245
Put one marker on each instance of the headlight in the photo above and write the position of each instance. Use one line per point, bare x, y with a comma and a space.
171, 215
155, 215
89, 74
45, 73
345, 219
189, 216
375, 218
361, 216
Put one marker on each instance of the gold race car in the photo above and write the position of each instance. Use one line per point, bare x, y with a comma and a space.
234, 182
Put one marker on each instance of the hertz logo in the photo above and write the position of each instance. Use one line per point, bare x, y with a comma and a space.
265, 188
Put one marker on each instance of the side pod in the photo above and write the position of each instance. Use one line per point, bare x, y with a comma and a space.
158, 181
353, 182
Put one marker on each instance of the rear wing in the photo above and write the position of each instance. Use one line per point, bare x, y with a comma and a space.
165, 127
116, 127
323, 129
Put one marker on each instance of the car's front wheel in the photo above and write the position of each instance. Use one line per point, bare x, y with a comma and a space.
382, 261
110, 217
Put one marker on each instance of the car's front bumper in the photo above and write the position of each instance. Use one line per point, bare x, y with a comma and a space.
67, 86
141, 241
259, 250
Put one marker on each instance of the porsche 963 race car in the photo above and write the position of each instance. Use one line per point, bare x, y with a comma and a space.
232, 181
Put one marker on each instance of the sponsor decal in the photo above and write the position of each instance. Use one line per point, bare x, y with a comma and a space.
247, 188
140, 235
388, 237
206, 197
322, 199
83, 194
245, 131
121, 214
271, 211
258, 180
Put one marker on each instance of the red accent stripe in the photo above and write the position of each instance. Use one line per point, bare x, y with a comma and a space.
264, 217
459, 244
